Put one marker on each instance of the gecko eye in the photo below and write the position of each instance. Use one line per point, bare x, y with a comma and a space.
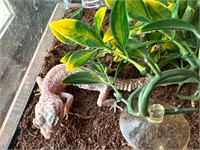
53, 119
40, 120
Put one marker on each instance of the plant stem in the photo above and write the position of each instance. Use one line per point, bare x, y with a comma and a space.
119, 95
184, 52
130, 105
137, 65
143, 99
191, 52
152, 66
174, 111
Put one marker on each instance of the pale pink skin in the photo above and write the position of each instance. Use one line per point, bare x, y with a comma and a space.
50, 110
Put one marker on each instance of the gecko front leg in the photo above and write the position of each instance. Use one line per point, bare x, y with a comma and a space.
113, 104
68, 103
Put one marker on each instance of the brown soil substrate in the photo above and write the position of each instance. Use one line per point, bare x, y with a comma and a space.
89, 126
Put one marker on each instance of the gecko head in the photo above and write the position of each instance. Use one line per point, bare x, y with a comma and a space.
46, 125
47, 117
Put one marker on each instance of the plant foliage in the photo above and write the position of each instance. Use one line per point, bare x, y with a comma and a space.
156, 32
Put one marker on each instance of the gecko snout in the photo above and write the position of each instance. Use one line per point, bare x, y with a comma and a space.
46, 133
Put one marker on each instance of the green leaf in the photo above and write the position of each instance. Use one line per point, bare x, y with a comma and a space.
196, 19
66, 57
83, 78
76, 14
79, 58
76, 31
142, 44
165, 59
175, 9
182, 7
133, 41
193, 4
98, 19
99, 67
170, 24
137, 10
188, 14
139, 53
119, 23
133, 29
195, 22
157, 10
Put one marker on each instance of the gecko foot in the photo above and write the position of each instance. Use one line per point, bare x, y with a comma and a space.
113, 104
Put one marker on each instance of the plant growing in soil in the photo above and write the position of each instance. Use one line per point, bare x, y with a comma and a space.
156, 33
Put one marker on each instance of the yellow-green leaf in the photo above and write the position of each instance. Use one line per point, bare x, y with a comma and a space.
117, 58
79, 58
66, 57
157, 10
119, 23
76, 31
107, 36
109, 3
98, 20
62, 38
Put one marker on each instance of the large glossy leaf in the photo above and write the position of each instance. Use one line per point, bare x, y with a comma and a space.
79, 58
62, 38
83, 78
170, 24
75, 15
137, 10
76, 31
157, 10
98, 20
119, 23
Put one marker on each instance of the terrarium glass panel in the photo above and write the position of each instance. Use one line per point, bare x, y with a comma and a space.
22, 23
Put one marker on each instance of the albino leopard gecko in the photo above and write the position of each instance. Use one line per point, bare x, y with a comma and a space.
51, 109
